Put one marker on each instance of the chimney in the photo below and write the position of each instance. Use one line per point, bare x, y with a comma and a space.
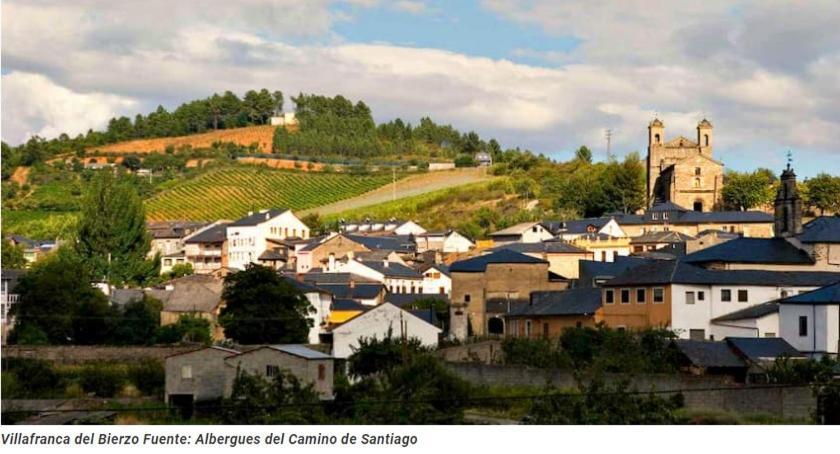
350, 255
331, 263
250, 213
352, 283
385, 262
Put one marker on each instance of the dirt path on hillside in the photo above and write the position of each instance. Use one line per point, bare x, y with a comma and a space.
20, 175
407, 187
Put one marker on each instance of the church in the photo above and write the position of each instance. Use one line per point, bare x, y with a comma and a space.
682, 171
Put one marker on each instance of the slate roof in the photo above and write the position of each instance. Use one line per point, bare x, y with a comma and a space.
215, 234
548, 247
195, 293
678, 215
829, 294
11, 278
270, 254
345, 304
479, 264
752, 250
824, 229
391, 243
757, 311
589, 270
666, 206
427, 315
32, 243
360, 291
393, 269
678, 272
444, 269
320, 278
123, 296
173, 229
304, 287
258, 218
575, 301
301, 351
757, 348
720, 217
709, 354
576, 225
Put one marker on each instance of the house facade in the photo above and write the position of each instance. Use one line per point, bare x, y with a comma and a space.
249, 237
378, 322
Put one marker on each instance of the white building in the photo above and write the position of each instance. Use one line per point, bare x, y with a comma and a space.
249, 237
569, 230
284, 119
321, 300
397, 277
526, 232
436, 280
376, 323
811, 321
446, 242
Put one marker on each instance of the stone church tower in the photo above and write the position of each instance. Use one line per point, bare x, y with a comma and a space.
788, 206
683, 171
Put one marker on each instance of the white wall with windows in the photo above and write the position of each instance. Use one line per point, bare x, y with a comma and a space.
813, 329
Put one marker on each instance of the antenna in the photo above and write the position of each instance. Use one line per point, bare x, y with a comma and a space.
608, 133
789, 159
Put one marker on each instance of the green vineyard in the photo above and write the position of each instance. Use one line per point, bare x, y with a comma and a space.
231, 193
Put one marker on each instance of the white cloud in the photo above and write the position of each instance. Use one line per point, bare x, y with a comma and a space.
34, 105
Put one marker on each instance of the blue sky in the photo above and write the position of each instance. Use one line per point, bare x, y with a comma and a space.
539, 74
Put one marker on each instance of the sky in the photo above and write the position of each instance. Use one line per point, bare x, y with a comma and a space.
543, 75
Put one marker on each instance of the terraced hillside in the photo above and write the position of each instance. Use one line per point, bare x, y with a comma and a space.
231, 192
260, 135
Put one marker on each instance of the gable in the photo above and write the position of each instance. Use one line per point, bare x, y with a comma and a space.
698, 159
681, 142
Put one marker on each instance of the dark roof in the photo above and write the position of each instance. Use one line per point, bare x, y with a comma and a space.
824, 229
320, 278
214, 234
678, 272
709, 353
32, 243
345, 304
576, 301
716, 217
400, 243
300, 351
549, 247
173, 229
752, 250
756, 348
123, 296
11, 278
666, 206
270, 254
590, 270
393, 269
576, 225
258, 217
479, 264
407, 299
829, 294
359, 291
757, 311
438, 266
304, 287
427, 315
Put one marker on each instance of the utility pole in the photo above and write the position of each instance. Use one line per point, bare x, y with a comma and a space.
608, 133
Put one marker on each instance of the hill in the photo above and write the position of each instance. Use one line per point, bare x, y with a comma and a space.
229, 193
261, 135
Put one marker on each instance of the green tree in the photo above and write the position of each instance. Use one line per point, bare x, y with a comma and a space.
112, 234
58, 300
583, 154
264, 308
188, 328
282, 399
13, 256
625, 183
138, 322
824, 192
374, 356
743, 191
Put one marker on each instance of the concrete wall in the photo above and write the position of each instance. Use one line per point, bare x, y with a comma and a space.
254, 362
77, 354
701, 393
208, 378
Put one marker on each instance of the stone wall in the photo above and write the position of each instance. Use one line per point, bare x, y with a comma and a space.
76, 354
700, 392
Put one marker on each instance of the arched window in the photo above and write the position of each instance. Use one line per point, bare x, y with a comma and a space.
495, 326
698, 205
706, 139
697, 170
696, 182
657, 139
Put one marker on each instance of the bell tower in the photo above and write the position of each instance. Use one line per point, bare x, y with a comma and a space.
656, 145
788, 206
704, 137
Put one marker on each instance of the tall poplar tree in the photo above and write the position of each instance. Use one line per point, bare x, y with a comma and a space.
112, 235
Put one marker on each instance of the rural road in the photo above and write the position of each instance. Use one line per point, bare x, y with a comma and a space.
406, 187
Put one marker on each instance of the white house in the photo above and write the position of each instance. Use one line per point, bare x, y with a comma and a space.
397, 277
436, 279
321, 300
390, 226
377, 322
526, 232
569, 230
446, 242
248, 238
811, 321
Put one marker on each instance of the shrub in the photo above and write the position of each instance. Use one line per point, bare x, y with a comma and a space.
149, 376
101, 379
31, 377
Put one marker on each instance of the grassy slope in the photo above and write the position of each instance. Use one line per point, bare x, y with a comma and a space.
260, 135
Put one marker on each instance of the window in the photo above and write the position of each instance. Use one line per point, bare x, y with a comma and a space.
609, 297
654, 216
322, 372
803, 325
534, 229
768, 334
697, 171
466, 297
658, 295
701, 296
578, 325
689, 297
167, 262
726, 295
442, 290
743, 296
658, 139
186, 372
665, 216
272, 370
527, 328
696, 182
641, 297
545, 330
697, 334
625, 296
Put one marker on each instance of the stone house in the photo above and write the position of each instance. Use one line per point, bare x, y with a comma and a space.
206, 248
487, 287
198, 295
548, 313
563, 258
198, 375
309, 366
